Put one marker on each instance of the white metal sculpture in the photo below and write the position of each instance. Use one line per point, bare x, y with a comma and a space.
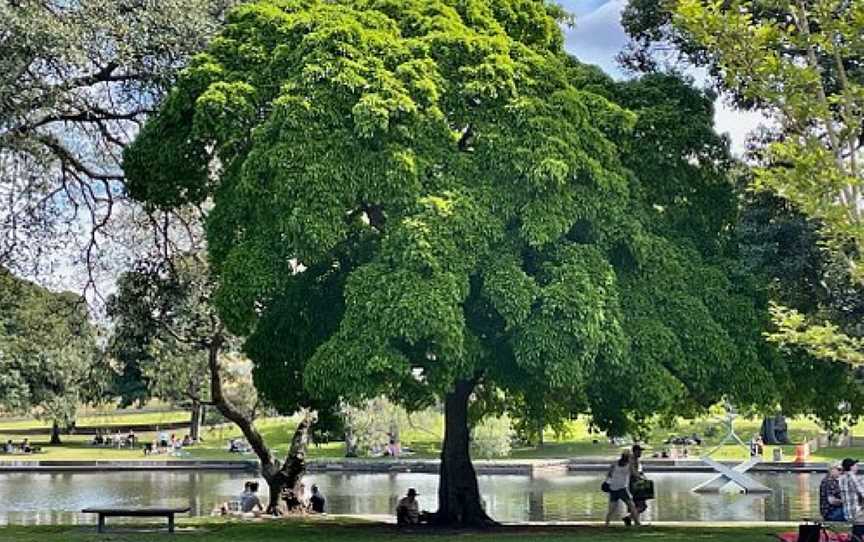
734, 478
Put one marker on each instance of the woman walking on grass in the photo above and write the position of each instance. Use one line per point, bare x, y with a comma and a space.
619, 488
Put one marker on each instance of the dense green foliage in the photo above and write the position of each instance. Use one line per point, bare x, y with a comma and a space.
160, 328
414, 192
799, 63
774, 59
49, 360
787, 252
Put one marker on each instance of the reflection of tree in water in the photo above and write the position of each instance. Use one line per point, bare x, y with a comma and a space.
536, 510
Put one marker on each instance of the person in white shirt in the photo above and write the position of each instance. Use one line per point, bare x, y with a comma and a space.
618, 479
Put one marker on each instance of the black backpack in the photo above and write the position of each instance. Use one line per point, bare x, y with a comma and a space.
810, 532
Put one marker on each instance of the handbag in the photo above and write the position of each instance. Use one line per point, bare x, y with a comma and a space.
642, 489
604, 487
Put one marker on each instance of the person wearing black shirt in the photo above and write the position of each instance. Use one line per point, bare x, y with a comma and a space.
317, 501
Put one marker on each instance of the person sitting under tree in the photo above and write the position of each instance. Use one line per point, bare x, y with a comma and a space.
408, 509
249, 501
317, 501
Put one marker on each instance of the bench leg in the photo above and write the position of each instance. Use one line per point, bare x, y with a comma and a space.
100, 528
171, 523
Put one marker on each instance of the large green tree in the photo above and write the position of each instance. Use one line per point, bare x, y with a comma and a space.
49, 359
799, 63
430, 199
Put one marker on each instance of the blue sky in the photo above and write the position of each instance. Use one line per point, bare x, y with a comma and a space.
598, 37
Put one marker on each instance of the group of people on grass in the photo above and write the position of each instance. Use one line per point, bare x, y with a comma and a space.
24, 448
117, 440
238, 446
296, 501
162, 443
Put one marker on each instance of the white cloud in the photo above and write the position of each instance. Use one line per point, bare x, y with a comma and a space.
598, 37
738, 124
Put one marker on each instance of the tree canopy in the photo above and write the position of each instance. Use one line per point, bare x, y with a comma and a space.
431, 199
77, 79
160, 322
49, 359
799, 63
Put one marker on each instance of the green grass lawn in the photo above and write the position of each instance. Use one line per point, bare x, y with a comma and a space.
338, 530
106, 418
424, 437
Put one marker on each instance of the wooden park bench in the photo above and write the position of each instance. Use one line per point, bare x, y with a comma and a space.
135, 512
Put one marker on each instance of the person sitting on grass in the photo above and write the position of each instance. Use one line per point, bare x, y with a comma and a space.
234, 505
408, 509
249, 501
293, 501
9, 448
25, 446
317, 501
237, 446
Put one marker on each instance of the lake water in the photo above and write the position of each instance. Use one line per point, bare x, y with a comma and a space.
43, 498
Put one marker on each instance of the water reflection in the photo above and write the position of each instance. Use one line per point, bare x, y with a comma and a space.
37, 498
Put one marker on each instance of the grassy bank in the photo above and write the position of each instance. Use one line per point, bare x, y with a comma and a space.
424, 439
321, 531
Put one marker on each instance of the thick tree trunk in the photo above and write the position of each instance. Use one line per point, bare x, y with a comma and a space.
55, 434
768, 434
458, 494
290, 475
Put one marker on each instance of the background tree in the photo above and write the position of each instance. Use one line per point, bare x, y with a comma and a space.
431, 200
799, 62
165, 322
782, 246
49, 359
77, 79
151, 362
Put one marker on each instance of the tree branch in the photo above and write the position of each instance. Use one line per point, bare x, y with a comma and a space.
69, 159
269, 466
